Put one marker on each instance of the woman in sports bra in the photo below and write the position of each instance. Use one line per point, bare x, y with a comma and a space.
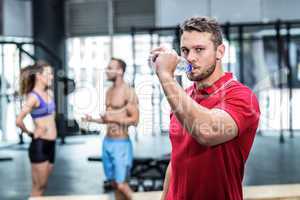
35, 81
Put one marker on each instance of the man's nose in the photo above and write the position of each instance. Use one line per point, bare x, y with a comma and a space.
191, 57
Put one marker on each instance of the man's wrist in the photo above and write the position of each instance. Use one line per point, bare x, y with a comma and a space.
98, 120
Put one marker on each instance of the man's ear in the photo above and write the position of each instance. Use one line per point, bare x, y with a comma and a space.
220, 51
120, 71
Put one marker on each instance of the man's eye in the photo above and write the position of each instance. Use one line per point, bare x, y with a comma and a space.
184, 51
198, 50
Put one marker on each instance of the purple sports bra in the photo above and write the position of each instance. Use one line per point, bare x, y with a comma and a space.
44, 108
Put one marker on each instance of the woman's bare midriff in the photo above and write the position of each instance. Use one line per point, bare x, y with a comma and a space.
45, 128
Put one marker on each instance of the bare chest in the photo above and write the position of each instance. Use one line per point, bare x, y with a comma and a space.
116, 98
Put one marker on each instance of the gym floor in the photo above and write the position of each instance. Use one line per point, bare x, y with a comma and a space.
74, 175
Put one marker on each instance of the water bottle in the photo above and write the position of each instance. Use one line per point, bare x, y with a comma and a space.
182, 67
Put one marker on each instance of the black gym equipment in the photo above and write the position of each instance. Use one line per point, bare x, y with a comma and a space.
147, 174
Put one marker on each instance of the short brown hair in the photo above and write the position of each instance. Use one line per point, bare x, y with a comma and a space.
121, 62
204, 24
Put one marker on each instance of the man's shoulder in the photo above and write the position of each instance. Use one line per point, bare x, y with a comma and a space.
130, 92
237, 87
241, 93
128, 88
109, 89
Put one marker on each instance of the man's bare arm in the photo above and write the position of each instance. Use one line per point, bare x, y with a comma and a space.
166, 182
208, 126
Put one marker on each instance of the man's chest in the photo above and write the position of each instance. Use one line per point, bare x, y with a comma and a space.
116, 98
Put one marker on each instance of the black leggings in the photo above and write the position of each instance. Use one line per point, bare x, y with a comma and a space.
42, 150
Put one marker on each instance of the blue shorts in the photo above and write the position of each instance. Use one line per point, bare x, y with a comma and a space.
117, 157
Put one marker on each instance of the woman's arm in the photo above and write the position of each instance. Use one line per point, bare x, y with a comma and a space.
30, 103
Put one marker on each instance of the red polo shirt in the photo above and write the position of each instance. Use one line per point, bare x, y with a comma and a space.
214, 173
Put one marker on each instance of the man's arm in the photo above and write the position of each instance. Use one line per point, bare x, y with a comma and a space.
208, 126
166, 182
89, 118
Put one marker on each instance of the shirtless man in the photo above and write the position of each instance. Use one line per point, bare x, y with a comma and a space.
121, 112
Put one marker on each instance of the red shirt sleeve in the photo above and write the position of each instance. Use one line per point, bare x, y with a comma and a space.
242, 105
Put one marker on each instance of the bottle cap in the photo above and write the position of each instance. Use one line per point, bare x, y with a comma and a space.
189, 67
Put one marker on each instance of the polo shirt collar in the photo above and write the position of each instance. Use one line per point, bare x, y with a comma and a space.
215, 86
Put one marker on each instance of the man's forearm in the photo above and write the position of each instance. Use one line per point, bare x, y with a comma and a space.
166, 182
185, 108
123, 121
208, 126
99, 120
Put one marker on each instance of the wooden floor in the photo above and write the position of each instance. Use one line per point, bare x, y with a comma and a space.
274, 192
137, 196
268, 192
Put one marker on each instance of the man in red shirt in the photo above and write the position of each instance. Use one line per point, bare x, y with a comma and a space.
213, 122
